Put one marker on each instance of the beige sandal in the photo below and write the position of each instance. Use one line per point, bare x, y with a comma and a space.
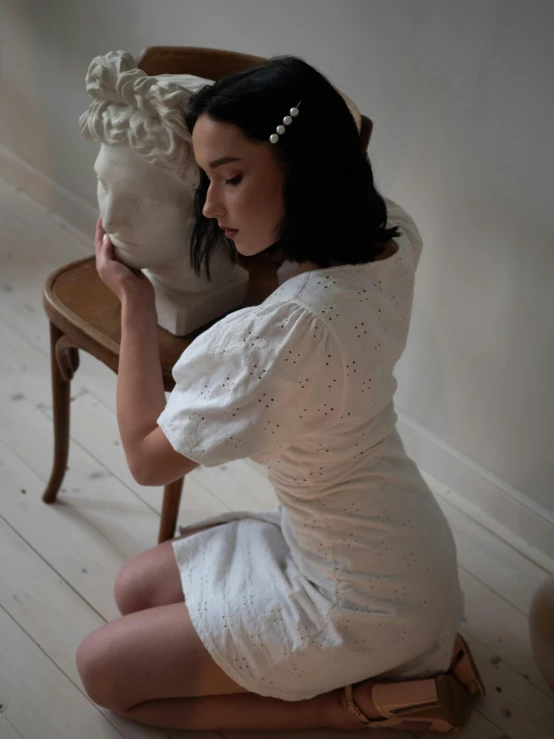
441, 704
464, 669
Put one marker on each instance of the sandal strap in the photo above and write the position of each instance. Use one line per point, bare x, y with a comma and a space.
398, 702
353, 707
402, 701
463, 668
396, 699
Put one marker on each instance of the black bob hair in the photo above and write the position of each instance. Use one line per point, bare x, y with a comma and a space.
333, 212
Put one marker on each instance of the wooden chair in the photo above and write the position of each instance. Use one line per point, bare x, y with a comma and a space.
85, 314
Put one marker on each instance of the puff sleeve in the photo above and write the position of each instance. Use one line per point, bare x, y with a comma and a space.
252, 384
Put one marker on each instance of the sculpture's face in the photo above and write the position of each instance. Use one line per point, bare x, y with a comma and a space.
246, 194
146, 210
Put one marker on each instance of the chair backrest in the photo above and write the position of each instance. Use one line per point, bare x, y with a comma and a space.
216, 63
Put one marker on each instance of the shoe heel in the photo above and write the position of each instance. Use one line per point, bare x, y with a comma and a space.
440, 704
451, 711
464, 669
455, 702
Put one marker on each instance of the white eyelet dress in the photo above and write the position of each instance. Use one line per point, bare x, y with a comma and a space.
355, 574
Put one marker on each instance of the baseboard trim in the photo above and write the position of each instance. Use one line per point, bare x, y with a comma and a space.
495, 504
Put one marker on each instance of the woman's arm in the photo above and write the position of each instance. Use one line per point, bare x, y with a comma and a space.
140, 391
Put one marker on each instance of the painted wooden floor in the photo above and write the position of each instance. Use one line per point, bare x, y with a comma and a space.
58, 563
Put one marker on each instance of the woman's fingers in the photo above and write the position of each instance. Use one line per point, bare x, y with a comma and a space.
107, 247
102, 239
103, 248
98, 237
112, 272
99, 232
102, 242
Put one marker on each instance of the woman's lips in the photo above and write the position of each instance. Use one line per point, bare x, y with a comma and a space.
230, 233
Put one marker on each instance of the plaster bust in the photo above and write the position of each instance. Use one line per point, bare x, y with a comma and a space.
147, 176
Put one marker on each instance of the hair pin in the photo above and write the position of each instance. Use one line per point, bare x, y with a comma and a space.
287, 120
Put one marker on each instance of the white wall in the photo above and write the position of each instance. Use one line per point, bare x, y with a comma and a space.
461, 96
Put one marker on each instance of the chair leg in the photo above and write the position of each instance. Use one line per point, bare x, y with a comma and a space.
64, 360
170, 510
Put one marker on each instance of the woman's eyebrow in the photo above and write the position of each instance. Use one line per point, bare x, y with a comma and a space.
223, 160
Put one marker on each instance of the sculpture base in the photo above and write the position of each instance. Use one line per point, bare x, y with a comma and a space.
180, 313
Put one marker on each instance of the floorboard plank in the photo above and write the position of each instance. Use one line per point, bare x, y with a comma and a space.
38, 699
61, 534
512, 703
504, 570
478, 727
42, 603
55, 617
501, 627
7, 731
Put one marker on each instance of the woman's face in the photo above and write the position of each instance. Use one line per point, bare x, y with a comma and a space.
246, 184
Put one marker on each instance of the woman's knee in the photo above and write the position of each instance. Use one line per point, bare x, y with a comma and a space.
94, 669
148, 580
129, 589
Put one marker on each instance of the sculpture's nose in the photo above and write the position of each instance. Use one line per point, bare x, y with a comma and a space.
116, 214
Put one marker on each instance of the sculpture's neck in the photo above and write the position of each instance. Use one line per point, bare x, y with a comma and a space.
179, 275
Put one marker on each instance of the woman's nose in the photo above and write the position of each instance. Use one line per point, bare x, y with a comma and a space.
212, 207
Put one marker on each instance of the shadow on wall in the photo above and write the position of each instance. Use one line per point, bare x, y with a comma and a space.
425, 352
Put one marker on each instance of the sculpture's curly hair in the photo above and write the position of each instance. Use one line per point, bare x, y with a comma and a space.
131, 108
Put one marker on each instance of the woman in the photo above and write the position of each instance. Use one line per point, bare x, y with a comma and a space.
264, 621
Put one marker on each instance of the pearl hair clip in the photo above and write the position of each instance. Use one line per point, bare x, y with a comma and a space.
287, 120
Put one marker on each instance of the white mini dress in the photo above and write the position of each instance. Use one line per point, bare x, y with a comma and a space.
355, 574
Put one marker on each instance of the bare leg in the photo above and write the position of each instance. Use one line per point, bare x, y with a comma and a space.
246, 712
150, 579
151, 666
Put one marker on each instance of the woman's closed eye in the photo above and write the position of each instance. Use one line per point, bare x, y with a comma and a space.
234, 180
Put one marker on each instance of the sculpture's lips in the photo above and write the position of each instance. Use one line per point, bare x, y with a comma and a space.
120, 243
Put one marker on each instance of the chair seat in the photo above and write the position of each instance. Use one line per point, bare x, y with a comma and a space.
85, 310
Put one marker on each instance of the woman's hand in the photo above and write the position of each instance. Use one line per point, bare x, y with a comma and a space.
124, 282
